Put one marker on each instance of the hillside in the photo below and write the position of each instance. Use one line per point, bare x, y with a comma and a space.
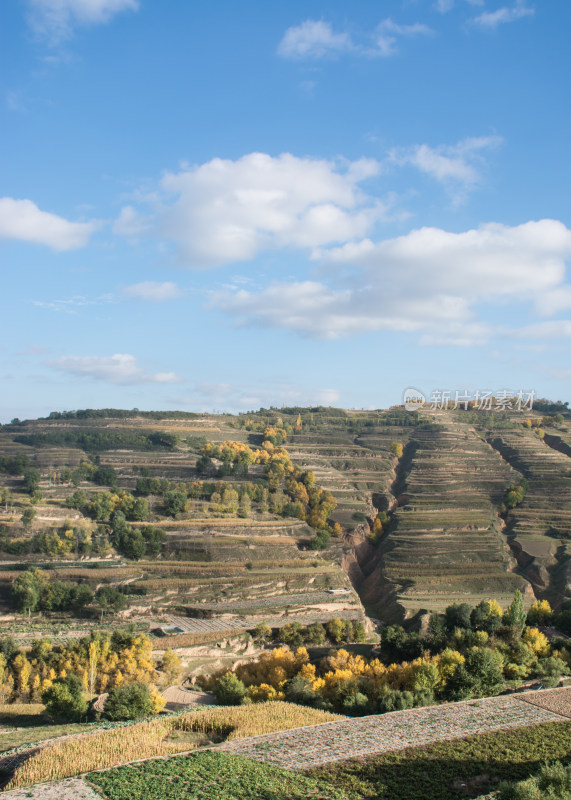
245, 545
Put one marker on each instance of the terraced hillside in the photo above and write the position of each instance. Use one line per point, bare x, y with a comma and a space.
357, 467
445, 543
217, 569
540, 528
443, 539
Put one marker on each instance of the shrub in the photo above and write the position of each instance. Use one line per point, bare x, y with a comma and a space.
262, 633
357, 705
314, 633
132, 701
229, 691
64, 699
298, 690
394, 700
553, 782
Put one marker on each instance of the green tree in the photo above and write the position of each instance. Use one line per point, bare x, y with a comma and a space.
132, 701
515, 614
77, 500
140, 510
484, 666
32, 480
64, 699
262, 633
457, 615
291, 634
26, 591
335, 629
314, 634
230, 690
28, 516
108, 598
174, 501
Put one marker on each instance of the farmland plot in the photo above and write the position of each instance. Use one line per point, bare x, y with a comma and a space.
305, 748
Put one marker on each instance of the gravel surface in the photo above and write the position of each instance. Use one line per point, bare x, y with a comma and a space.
308, 747
556, 700
71, 789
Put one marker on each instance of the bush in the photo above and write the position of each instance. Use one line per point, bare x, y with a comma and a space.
132, 701
298, 690
423, 697
262, 633
314, 633
230, 690
320, 541
64, 699
394, 700
357, 705
553, 782
174, 502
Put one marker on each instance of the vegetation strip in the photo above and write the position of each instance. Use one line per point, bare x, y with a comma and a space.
452, 770
211, 776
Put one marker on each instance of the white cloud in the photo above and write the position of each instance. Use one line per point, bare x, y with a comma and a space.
458, 167
313, 39
388, 33
553, 329
226, 211
130, 223
120, 368
428, 282
23, 220
153, 290
443, 6
553, 302
55, 20
72, 304
240, 397
492, 19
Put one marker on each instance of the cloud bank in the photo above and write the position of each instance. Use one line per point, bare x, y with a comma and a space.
225, 211
153, 290
55, 20
23, 220
429, 281
121, 368
314, 40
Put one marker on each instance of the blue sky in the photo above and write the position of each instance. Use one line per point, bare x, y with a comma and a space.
225, 205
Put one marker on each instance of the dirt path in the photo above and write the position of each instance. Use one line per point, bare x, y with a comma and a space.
71, 789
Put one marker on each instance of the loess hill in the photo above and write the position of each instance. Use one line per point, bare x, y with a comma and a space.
388, 512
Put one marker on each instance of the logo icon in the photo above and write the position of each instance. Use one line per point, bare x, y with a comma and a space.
413, 399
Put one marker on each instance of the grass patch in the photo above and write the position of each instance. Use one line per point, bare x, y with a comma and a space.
211, 776
452, 770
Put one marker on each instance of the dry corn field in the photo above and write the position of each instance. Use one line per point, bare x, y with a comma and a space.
85, 753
